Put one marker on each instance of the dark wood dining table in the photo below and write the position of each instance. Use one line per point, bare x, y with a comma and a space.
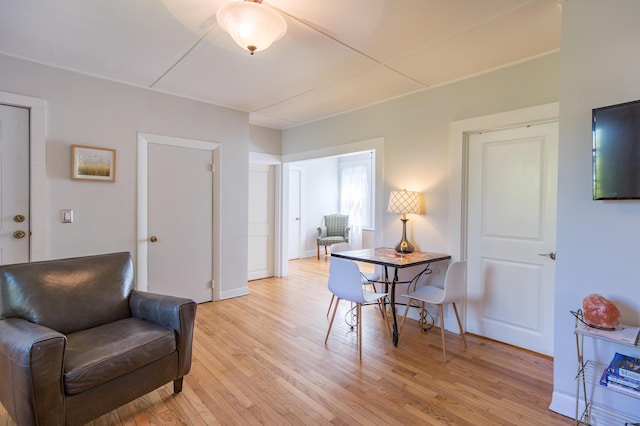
389, 258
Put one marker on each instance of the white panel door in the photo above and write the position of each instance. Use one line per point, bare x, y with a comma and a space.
295, 188
14, 184
180, 209
261, 221
511, 222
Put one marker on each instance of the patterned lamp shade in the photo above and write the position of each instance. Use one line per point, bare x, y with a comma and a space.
405, 202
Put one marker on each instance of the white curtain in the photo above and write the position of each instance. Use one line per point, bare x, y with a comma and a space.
354, 200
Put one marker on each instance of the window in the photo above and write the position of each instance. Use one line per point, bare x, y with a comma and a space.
357, 189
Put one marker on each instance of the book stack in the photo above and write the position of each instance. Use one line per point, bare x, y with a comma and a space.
623, 375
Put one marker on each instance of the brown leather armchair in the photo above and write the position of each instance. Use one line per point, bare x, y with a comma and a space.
77, 341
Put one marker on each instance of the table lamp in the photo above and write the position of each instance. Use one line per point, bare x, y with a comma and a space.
405, 202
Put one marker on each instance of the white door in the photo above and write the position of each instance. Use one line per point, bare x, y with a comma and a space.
179, 223
261, 220
295, 187
14, 184
511, 223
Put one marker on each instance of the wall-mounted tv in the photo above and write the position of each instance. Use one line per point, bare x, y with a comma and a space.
616, 152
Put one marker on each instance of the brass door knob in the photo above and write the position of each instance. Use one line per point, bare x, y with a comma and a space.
153, 239
19, 234
18, 218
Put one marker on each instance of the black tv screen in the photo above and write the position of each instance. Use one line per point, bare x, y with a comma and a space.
616, 152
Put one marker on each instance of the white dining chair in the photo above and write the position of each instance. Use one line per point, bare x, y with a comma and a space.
345, 283
453, 291
367, 278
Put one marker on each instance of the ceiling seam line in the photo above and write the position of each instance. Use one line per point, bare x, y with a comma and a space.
308, 25
184, 55
406, 76
384, 64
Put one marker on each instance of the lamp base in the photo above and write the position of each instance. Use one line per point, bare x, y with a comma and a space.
404, 246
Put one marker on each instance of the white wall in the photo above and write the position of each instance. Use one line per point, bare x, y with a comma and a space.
264, 140
598, 241
89, 111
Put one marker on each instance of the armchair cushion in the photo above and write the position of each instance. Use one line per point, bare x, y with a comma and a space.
100, 354
328, 241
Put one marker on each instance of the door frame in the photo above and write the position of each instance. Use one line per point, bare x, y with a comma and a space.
302, 211
144, 139
276, 161
38, 197
458, 170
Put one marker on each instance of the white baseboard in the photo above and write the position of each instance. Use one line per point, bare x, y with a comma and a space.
565, 404
236, 292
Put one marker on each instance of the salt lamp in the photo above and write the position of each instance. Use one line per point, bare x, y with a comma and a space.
599, 312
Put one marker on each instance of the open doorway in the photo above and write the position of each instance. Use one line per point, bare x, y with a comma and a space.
320, 171
342, 184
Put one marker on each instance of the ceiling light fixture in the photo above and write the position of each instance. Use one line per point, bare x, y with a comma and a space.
251, 25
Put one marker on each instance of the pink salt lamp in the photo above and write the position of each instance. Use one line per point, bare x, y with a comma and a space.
599, 312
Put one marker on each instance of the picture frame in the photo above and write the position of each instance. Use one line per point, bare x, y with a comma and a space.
93, 163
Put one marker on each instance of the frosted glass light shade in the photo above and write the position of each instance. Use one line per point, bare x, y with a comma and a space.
251, 25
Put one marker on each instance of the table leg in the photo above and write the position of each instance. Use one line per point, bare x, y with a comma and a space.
393, 307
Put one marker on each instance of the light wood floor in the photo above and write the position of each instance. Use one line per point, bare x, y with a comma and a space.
261, 360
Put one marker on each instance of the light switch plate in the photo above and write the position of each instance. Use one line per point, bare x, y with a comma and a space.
67, 216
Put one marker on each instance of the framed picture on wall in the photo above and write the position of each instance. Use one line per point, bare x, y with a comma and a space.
93, 163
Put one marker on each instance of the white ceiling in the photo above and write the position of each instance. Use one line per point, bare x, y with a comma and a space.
337, 55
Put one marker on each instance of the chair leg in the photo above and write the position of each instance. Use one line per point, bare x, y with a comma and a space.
177, 385
444, 344
333, 296
459, 325
359, 320
318, 246
325, 251
386, 319
335, 309
404, 317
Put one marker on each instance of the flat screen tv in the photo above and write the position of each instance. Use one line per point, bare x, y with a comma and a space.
616, 152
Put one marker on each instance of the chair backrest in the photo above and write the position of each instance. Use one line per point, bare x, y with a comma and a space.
335, 224
345, 281
68, 295
338, 247
455, 282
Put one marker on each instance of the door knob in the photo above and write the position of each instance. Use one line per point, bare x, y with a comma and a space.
18, 218
552, 255
19, 234
153, 239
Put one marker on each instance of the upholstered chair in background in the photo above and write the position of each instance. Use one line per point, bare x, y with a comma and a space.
334, 229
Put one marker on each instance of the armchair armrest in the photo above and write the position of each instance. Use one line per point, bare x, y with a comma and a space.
31, 367
322, 231
172, 312
346, 231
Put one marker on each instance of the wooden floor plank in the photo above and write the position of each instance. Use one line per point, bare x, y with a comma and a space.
261, 360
